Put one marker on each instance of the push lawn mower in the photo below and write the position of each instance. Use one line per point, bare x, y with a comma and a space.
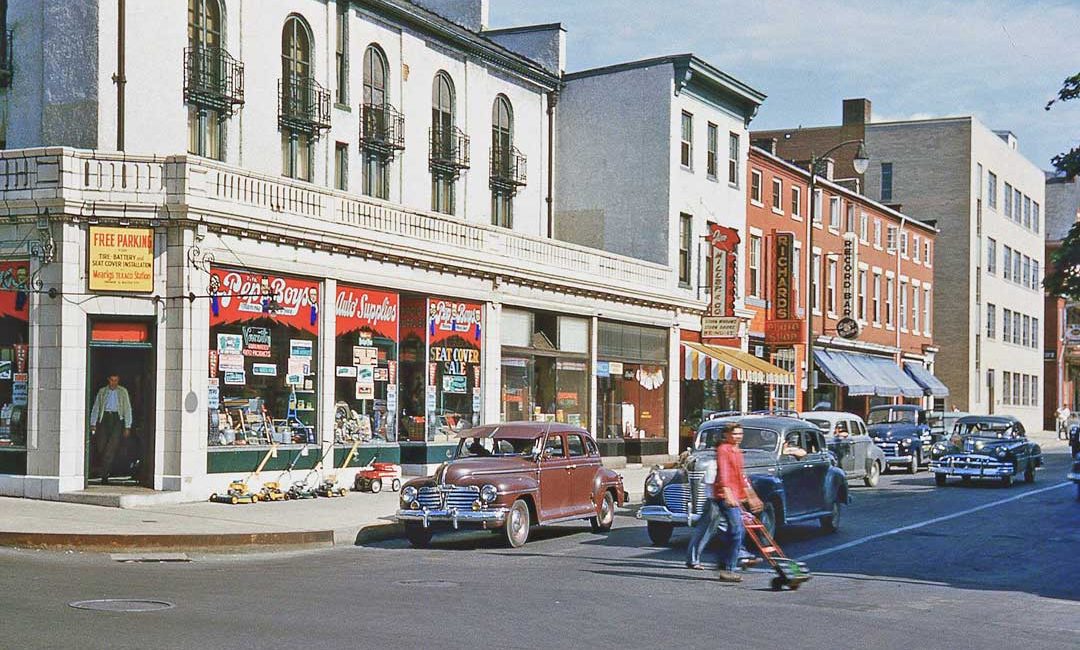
238, 492
271, 491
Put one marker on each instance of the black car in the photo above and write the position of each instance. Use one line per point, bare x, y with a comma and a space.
1074, 474
986, 446
788, 464
903, 433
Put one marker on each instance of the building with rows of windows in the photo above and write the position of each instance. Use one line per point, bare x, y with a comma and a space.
985, 197
304, 232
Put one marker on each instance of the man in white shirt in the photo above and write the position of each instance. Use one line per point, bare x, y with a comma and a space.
110, 416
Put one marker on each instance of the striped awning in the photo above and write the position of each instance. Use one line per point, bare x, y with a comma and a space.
716, 362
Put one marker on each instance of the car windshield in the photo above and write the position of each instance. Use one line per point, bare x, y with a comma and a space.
889, 416
496, 446
759, 439
984, 429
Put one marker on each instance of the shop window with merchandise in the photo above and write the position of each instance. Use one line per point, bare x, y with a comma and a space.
439, 371
545, 368
632, 374
366, 366
14, 356
263, 359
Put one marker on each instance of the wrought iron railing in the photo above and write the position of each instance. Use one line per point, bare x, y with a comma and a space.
507, 166
303, 104
449, 149
213, 78
382, 128
6, 57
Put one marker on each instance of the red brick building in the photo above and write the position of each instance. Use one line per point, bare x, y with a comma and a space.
870, 264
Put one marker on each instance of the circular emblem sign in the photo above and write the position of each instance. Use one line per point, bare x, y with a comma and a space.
848, 328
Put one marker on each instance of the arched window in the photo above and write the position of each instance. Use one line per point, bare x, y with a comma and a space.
442, 102
443, 144
204, 23
502, 124
374, 77
295, 49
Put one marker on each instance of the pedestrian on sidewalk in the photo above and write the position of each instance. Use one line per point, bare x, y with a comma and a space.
110, 418
1063, 414
730, 491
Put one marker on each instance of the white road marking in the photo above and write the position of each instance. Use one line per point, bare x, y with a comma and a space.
928, 522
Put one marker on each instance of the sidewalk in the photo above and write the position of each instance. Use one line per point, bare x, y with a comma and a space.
214, 527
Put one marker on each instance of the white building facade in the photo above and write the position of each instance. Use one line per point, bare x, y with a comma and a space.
987, 200
305, 234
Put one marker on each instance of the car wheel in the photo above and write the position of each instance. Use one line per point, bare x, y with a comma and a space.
660, 533
396, 485
939, 480
913, 468
1029, 474
601, 523
417, 535
767, 517
965, 480
1006, 481
830, 522
517, 525
376, 486
872, 475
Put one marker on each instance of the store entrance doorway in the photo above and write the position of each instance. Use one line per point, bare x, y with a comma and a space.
124, 349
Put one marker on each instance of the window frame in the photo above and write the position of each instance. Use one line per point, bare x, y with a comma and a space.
734, 156
712, 144
686, 225
886, 182
686, 140
753, 266
796, 201
756, 180
777, 195
341, 52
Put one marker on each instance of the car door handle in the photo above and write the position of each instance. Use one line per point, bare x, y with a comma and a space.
570, 467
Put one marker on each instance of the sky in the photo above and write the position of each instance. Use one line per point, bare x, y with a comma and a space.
999, 60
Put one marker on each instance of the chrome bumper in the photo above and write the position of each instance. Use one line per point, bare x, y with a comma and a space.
1073, 476
491, 516
662, 514
992, 470
898, 460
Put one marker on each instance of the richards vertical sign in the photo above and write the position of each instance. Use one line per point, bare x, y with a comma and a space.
784, 327
121, 259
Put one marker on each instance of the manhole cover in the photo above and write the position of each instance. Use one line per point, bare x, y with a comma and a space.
122, 605
428, 583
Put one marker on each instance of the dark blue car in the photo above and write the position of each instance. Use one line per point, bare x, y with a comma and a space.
903, 433
788, 464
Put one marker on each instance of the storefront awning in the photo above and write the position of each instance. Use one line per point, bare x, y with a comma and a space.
716, 362
865, 374
931, 385
841, 369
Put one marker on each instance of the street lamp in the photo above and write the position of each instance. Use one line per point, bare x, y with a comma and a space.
861, 163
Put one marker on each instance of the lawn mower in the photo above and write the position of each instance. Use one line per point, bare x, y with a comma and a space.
238, 492
271, 491
301, 490
329, 488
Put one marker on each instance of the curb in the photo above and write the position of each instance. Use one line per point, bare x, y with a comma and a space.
228, 542
379, 533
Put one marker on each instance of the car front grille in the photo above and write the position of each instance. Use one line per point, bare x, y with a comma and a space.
971, 462
677, 496
890, 448
448, 496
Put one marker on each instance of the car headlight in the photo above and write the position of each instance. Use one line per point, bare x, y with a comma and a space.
877, 439
938, 448
1001, 452
488, 493
408, 494
653, 484
906, 441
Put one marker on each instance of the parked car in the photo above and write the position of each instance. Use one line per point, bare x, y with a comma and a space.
855, 452
986, 446
511, 477
942, 423
793, 489
903, 433
1074, 474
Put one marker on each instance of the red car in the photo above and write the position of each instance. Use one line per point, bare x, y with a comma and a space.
510, 477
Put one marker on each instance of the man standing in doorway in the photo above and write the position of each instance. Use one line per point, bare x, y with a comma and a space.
110, 416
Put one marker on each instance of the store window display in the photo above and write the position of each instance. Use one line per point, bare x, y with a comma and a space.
14, 352
632, 374
263, 359
545, 367
366, 371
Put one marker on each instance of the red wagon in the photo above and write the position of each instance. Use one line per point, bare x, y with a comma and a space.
374, 476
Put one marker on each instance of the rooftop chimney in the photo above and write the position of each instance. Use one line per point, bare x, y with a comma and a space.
856, 111
768, 144
470, 14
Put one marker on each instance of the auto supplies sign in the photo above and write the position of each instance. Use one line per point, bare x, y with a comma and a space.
121, 259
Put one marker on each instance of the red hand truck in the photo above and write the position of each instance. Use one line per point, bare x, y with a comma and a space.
790, 573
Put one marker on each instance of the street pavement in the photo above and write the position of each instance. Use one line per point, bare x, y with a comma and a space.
912, 565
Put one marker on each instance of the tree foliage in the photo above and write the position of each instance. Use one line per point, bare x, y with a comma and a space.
1067, 163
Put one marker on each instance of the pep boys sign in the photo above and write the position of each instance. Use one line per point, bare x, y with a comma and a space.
447, 318
244, 296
